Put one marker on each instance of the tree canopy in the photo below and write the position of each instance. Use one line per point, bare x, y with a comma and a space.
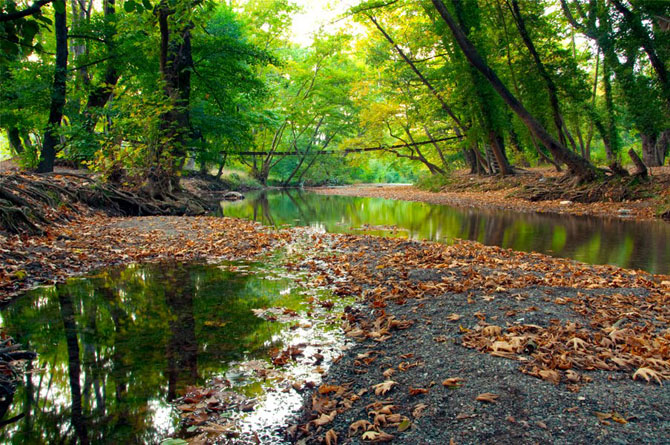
386, 90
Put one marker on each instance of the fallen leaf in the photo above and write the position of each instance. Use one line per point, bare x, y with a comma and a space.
325, 419
331, 437
492, 331
417, 412
550, 375
404, 425
376, 436
487, 397
648, 374
417, 391
453, 382
384, 387
363, 425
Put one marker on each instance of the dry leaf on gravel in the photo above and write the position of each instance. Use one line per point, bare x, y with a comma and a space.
325, 419
648, 374
487, 397
376, 436
362, 425
384, 387
331, 437
453, 382
550, 375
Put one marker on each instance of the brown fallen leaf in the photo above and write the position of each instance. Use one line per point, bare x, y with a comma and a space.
331, 437
417, 412
648, 374
492, 331
362, 425
417, 391
376, 436
326, 389
388, 373
453, 382
384, 387
550, 375
453, 317
487, 397
325, 419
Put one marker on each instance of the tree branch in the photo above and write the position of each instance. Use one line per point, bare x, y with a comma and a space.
31, 10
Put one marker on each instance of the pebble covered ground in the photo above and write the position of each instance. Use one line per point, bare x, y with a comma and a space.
430, 347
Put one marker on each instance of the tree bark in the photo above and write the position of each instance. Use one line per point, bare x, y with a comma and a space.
577, 165
58, 91
552, 91
14, 138
641, 169
100, 95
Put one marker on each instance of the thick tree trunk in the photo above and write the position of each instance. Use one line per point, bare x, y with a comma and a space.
641, 169
649, 153
577, 165
176, 63
51, 137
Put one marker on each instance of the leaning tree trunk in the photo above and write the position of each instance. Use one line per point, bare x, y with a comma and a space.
578, 166
51, 138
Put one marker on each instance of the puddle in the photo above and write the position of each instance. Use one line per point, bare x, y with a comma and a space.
117, 349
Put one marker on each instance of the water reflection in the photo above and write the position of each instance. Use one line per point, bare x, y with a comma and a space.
636, 245
115, 348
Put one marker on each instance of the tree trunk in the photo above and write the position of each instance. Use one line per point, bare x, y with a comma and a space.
176, 63
51, 137
100, 95
222, 164
649, 153
15, 140
641, 169
577, 165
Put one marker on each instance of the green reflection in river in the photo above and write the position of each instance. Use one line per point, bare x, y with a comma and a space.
115, 348
638, 245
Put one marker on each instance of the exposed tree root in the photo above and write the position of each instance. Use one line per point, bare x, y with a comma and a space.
30, 202
615, 188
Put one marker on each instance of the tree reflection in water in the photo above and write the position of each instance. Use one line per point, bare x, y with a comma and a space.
630, 244
115, 348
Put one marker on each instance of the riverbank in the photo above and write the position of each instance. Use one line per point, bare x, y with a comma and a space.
477, 344
554, 350
466, 342
472, 191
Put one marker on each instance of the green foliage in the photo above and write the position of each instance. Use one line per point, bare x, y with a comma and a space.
433, 183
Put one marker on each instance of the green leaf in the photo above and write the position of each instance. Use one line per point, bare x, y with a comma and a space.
147, 5
404, 425
174, 442
129, 6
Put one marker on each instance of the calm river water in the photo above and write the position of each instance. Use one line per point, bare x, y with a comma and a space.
630, 244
